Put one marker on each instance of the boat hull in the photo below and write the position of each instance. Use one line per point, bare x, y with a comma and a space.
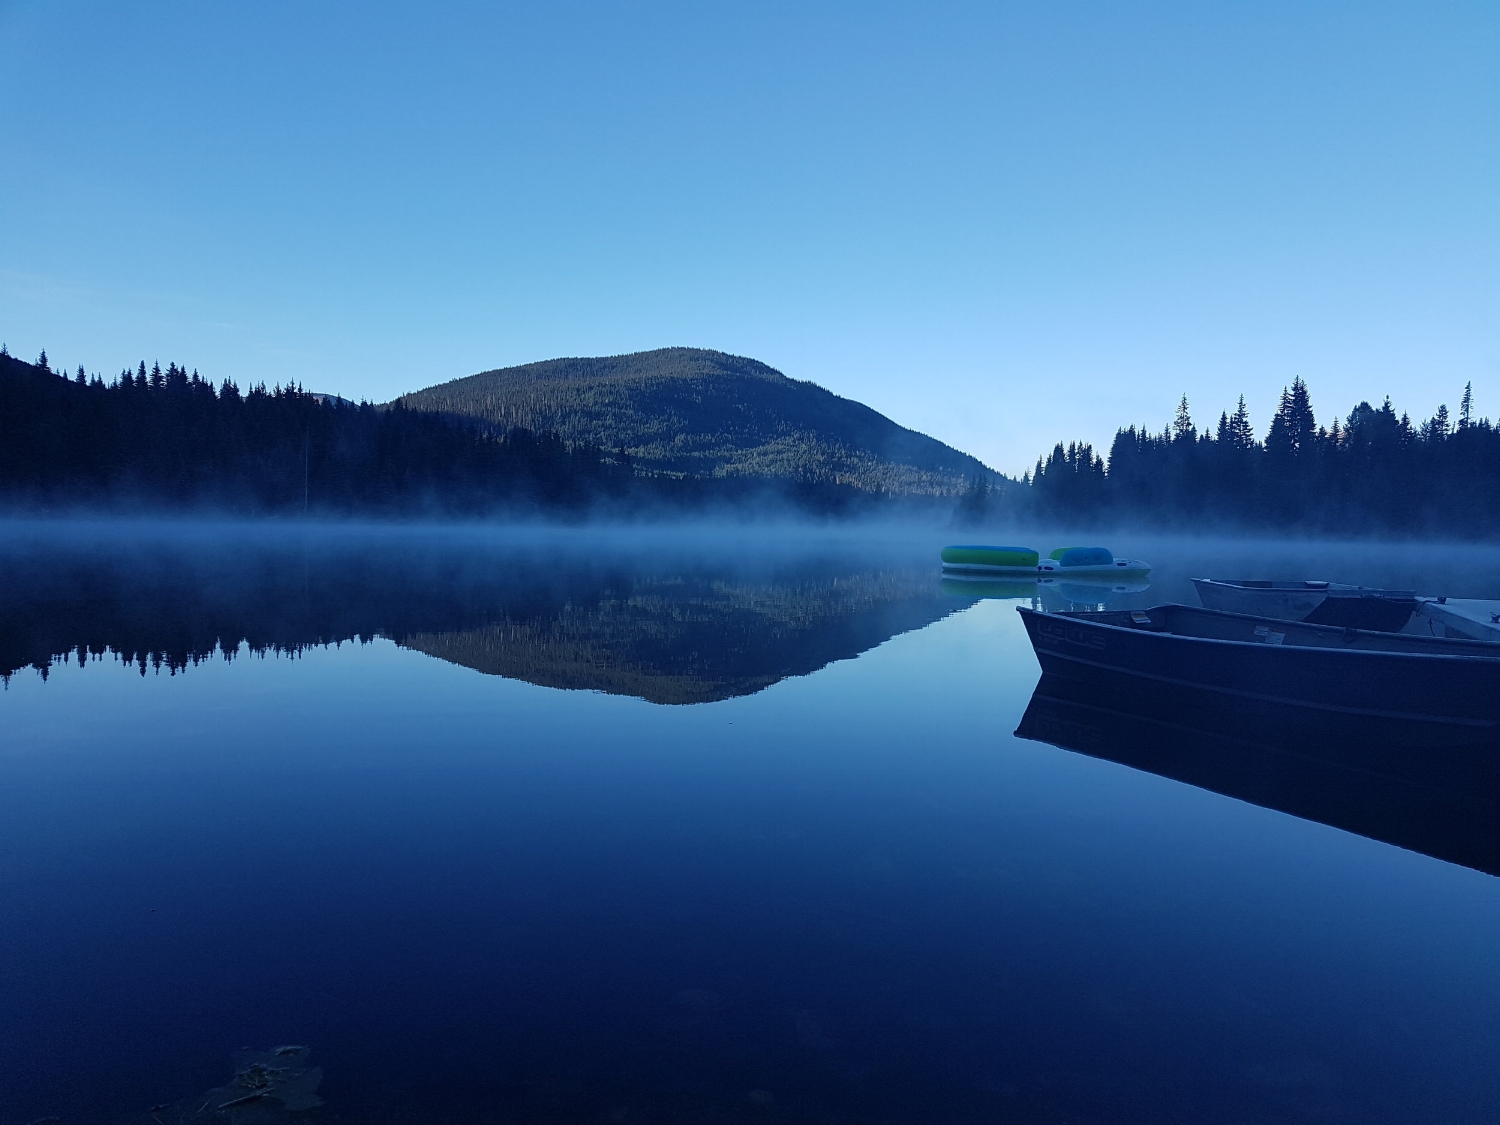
1239, 664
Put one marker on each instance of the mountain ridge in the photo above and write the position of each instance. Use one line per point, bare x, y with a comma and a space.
705, 413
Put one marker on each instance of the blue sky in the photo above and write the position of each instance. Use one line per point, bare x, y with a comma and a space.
1002, 224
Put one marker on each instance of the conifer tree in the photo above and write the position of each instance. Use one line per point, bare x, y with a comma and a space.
1242, 436
1293, 429
1182, 425
1437, 428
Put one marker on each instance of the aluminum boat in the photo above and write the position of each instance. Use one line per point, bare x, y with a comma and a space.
1318, 668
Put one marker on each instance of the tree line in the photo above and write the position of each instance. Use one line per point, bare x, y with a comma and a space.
1371, 471
168, 440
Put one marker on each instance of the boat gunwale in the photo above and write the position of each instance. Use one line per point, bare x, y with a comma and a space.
1289, 586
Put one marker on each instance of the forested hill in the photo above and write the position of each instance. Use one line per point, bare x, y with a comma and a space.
168, 440
171, 440
703, 413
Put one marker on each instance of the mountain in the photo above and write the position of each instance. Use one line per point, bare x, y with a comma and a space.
693, 412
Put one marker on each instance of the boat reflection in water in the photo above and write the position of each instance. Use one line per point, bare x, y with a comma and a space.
1055, 594
1060, 596
1440, 800
980, 586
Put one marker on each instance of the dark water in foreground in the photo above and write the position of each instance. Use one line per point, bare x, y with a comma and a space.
781, 860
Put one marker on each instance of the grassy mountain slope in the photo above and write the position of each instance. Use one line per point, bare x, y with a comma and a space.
704, 413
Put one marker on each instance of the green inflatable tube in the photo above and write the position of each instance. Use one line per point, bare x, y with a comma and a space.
990, 556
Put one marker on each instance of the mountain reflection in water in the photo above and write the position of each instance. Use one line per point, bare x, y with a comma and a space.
1360, 775
691, 628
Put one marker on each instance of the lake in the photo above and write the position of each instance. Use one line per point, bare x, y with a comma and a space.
692, 825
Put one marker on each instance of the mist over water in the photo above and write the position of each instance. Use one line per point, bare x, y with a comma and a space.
705, 823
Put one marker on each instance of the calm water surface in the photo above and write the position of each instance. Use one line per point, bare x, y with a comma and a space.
589, 827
